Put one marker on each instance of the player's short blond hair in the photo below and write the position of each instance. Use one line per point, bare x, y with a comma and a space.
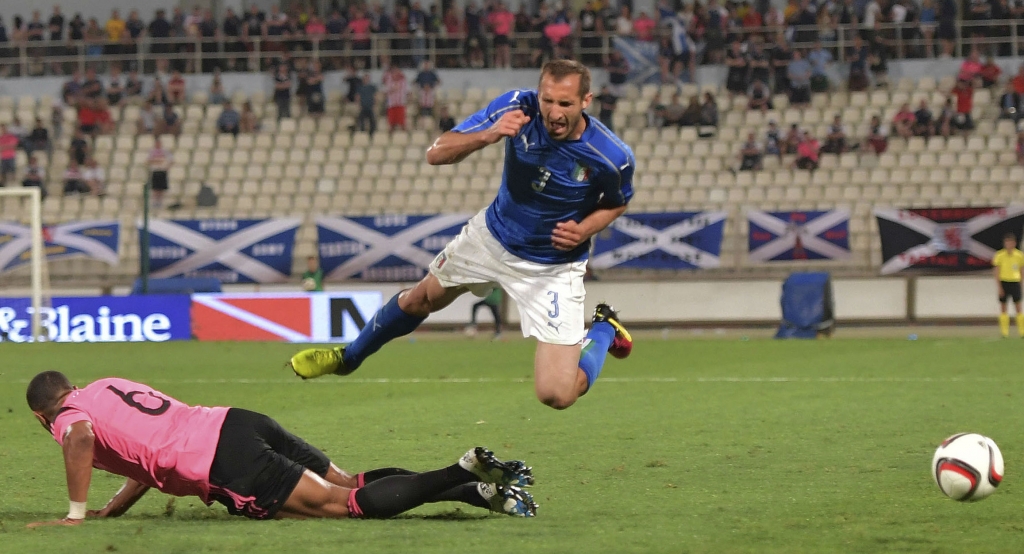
560, 69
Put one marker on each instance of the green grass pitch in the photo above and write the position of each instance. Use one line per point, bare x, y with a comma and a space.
688, 446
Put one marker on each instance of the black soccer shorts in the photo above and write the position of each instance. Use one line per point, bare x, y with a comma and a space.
1011, 290
258, 464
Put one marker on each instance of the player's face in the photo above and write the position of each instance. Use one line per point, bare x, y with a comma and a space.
42, 421
561, 106
1009, 244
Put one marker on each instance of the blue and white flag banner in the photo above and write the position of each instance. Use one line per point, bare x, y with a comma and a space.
642, 58
787, 236
672, 240
231, 250
86, 239
384, 247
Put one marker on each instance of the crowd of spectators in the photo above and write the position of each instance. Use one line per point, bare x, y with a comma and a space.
481, 34
953, 118
473, 36
698, 112
767, 50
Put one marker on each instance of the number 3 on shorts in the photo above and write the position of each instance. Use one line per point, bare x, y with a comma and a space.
554, 302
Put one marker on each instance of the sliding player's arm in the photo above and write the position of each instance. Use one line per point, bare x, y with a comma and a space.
78, 444
454, 146
125, 498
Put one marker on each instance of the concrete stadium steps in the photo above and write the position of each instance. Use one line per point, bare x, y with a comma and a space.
303, 166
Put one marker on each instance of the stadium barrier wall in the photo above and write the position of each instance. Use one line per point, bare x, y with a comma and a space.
250, 312
741, 302
966, 297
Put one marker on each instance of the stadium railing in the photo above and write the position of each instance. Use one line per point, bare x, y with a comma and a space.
253, 55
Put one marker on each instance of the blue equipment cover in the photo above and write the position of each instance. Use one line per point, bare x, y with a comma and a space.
807, 306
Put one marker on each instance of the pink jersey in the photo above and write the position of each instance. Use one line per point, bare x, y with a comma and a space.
360, 28
146, 435
8, 146
644, 28
502, 22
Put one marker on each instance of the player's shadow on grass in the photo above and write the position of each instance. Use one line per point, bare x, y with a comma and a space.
452, 515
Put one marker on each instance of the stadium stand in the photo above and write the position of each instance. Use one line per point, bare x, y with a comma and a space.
302, 166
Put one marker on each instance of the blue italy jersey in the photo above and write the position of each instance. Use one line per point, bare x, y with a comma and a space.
546, 181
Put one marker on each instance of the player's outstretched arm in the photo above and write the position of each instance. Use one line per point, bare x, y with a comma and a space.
78, 445
453, 147
570, 234
125, 498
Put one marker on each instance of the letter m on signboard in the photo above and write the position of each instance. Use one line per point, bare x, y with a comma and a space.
340, 307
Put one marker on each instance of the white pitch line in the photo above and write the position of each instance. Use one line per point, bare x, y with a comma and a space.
488, 380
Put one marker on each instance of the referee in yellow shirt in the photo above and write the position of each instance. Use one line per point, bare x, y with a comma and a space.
1007, 263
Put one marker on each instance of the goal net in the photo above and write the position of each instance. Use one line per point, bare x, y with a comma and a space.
21, 207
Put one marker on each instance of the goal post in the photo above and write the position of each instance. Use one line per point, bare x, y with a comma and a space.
37, 255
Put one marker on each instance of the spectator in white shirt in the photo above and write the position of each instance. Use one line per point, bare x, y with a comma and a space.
159, 163
95, 178
872, 13
624, 23
146, 124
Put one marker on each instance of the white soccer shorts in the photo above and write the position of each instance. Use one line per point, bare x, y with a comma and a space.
549, 296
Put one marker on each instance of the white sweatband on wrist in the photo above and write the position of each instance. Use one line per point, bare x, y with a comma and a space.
77, 510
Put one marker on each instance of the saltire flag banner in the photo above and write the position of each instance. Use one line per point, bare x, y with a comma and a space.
950, 239
642, 58
231, 250
85, 239
384, 247
673, 240
785, 236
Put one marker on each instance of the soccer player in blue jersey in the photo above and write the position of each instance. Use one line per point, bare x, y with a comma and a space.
566, 178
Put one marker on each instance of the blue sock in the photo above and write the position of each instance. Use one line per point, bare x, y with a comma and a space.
387, 324
595, 349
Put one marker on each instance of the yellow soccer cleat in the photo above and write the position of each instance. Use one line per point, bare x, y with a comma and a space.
317, 362
622, 345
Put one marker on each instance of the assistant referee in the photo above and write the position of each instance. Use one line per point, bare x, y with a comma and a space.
1007, 263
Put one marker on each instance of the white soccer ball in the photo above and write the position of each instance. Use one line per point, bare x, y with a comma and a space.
967, 467
309, 284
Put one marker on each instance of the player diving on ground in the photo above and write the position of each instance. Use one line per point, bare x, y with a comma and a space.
241, 459
566, 177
